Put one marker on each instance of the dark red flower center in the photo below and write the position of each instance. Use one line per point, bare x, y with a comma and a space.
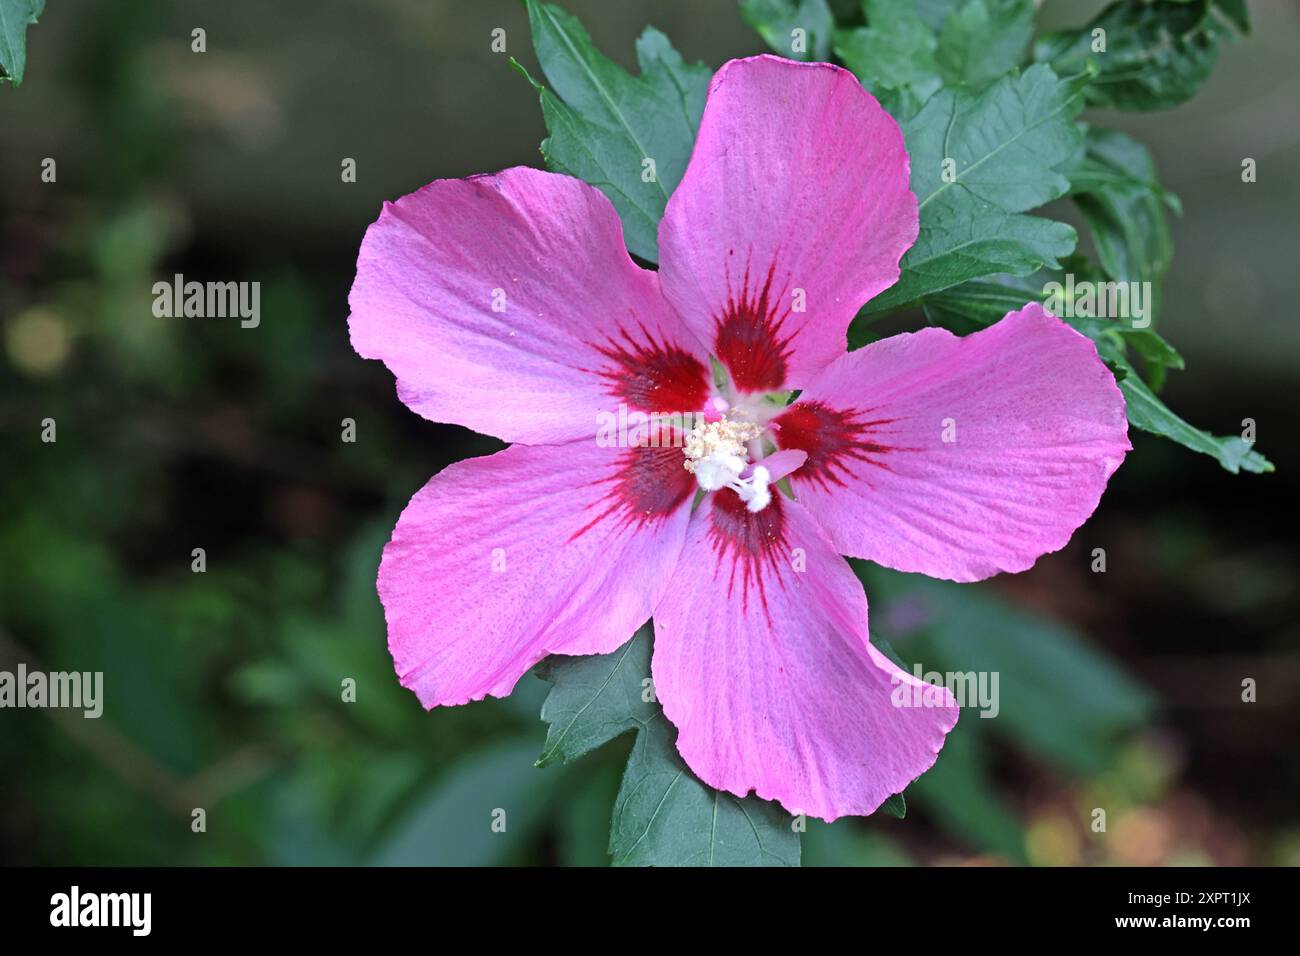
833, 439
753, 542
653, 376
648, 485
748, 338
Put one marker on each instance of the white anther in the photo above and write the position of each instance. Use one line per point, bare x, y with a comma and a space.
754, 491
716, 454
717, 470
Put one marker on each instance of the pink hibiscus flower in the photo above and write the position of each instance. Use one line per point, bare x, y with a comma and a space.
509, 304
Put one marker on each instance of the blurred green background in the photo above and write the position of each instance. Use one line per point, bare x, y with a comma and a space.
1119, 690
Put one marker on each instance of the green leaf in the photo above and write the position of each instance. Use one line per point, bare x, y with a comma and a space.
1157, 355
1004, 146
1116, 161
1156, 55
1007, 141
957, 244
777, 20
894, 52
607, 126
975, 305
1148, 412
1116, 190
984, 39
1114, 338
895, 806
595, 699
663, 815
15, 17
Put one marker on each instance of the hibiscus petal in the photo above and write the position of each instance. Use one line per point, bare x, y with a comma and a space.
793, 212
768, 675
959, 457
509, 304
499, 561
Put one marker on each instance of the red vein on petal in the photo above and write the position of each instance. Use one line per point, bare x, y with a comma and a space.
833, 439
651, 375
747, 337
754, 541
648, 485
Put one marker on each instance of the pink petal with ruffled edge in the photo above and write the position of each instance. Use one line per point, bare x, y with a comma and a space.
767, 673
580, 327
499, 561
1037, 427
796, 195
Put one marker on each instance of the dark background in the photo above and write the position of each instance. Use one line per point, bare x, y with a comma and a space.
223, 687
